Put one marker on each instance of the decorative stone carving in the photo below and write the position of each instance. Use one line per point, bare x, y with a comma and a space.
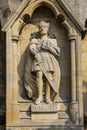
42, 61
21, 112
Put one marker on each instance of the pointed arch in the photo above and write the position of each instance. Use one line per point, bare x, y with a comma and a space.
36, 3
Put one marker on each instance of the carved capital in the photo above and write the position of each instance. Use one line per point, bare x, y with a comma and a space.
72, 37
15, 38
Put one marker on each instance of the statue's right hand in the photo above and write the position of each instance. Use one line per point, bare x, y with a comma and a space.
33, 49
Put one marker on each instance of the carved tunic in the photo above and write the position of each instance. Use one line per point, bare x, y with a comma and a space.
46, 55
42, 51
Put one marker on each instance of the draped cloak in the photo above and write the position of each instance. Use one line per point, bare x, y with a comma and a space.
51, 64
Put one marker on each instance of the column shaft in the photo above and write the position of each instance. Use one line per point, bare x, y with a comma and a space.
73, 69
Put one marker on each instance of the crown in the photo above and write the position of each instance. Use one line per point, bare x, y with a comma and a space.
45, 23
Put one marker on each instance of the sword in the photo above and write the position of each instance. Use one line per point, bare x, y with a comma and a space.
41, 65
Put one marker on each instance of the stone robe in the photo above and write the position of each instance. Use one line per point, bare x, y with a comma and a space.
48, 54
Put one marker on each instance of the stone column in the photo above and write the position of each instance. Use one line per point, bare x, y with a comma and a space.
8, 76
72, 40
74, 104
15, 105
14, 69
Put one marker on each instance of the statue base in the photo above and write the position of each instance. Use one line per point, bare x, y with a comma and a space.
44, 111
44, 117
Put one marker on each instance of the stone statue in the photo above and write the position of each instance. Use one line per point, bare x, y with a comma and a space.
42, 60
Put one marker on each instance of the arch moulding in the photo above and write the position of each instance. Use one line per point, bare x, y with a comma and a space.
31, 7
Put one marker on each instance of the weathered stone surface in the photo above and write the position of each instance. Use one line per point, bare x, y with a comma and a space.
26, 105
44, 112
44, 108
47, 128
78, 8
25, 115
15, 72
63, 115
44, 116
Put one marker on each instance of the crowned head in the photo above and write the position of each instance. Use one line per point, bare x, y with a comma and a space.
44, 23
44, 27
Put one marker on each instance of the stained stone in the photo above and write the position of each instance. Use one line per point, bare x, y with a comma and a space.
65, 113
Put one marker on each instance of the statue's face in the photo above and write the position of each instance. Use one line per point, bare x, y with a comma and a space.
44, 27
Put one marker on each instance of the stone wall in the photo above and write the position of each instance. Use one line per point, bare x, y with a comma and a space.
79, 8
12, 4
17, 53
7, 8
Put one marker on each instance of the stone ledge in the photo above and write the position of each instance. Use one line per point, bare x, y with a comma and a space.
25, 106
47, 128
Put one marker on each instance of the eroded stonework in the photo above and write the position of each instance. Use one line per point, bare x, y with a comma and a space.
67, 110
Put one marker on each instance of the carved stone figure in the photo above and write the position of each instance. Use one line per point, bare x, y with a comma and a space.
42, 60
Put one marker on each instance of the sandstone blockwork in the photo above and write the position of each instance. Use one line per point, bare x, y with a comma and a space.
17, 111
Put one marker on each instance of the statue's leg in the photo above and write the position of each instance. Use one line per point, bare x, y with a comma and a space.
39, 82
48, 100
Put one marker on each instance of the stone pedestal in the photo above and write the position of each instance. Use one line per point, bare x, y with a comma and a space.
44, 112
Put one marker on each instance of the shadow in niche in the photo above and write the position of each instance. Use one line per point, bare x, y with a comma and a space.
21, 70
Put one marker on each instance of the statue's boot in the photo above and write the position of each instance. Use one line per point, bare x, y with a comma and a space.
38, 100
